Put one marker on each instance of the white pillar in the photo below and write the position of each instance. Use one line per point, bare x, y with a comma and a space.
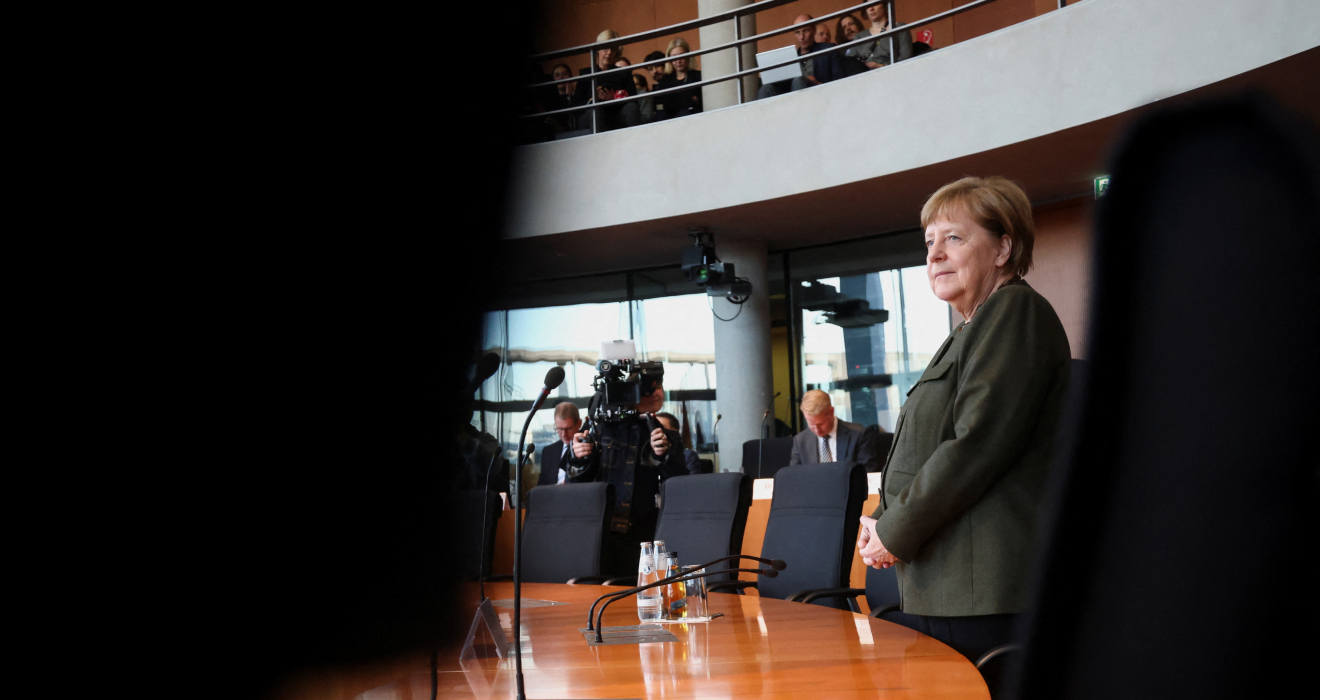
744, 380
720, 63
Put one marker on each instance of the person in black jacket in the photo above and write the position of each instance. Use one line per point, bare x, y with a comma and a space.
634, 459
817, 70
608, 87
678, 73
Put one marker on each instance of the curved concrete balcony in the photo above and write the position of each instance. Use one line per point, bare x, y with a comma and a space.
1038, 101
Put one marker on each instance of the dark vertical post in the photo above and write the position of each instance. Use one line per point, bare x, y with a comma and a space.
591, 98
793, 344
889, 17
737, 54
629, 278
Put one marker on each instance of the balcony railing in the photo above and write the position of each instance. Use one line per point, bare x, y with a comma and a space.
739, 72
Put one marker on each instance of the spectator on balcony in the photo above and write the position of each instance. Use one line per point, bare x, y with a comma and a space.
818, 70
647, 103
678, 72
609, 87
823, 34
875, 54
562, 98
847, 28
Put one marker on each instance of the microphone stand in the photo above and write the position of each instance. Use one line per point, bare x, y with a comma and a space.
551, 381
776, 564
760, 444
768, 573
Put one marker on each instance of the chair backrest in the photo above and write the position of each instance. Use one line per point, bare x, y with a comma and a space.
478, 511
564, 530
882, 590
703, 517
813, 526
771, 455
706, 466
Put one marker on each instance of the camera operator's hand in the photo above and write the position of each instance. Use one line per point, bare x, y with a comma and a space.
581, 448
659, 443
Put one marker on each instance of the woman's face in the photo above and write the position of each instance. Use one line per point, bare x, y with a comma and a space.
680, 64
605, 58
561, 73
963, 260
850, 28
876, 13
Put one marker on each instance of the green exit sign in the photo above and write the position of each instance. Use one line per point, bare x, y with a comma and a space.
1101, 186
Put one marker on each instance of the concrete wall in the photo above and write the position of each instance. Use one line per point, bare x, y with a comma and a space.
1057, 71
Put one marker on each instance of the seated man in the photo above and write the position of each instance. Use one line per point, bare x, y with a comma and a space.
690, 457
820, 69
828, 439
555, 456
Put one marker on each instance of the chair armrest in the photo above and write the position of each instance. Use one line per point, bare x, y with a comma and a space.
737, 586
997, 651
886, 609
501, 577
602, 580
815, 593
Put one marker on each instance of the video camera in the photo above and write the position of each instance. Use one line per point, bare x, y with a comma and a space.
622, 382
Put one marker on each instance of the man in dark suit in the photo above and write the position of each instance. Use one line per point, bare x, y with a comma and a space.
828, 439
816, 70
690, 458
555, 455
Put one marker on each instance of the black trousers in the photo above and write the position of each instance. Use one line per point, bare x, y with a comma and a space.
972, 637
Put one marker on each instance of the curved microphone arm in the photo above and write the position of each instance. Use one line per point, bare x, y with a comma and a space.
776, 564
768, 573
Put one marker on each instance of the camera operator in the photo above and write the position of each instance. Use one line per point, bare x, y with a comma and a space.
635, 459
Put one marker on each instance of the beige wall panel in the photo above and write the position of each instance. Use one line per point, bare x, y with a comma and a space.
1062, 272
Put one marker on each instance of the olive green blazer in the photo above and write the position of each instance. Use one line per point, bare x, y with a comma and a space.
965, 477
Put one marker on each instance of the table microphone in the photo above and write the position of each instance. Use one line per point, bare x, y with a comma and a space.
553, 379
768, 573
776, 564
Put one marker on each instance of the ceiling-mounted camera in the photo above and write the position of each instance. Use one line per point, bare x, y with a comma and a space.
701, 266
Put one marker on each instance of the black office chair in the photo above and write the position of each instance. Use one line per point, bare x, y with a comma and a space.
705, 466
812, 528
882, 441
703, 517
563, 534
881, 596
478, 511
761, 459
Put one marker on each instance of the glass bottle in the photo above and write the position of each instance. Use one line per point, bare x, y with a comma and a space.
675, 599
648, 601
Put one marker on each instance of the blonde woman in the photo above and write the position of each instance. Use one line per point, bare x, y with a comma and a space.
678, 72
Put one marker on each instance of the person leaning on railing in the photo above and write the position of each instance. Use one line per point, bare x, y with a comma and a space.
965, 478
609, 87
875, 54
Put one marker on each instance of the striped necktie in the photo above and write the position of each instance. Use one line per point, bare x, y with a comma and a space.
825, 455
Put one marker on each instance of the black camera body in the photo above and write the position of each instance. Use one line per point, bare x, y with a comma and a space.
621, 385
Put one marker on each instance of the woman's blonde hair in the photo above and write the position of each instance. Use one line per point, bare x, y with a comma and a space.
679, 41
997, 205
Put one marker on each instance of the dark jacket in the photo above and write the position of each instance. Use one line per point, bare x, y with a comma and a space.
965, 477
678, 101
550, 463
624, 458
852, 443
618, 81
832, 66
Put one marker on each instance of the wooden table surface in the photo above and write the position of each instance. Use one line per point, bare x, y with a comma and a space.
761, 648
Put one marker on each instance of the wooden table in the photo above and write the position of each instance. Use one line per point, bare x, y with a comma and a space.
761, 648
